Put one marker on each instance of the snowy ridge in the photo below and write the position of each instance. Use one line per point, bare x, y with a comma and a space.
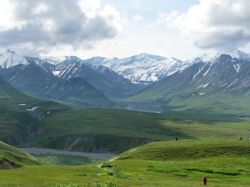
211, 58
240, 55
10, 58
142, 68
237, 67
138, 69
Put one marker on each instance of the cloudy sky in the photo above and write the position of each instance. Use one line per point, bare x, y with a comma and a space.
86, 28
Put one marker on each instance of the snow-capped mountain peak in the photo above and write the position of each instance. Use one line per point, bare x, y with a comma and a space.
240, 55
58, 60
142, 68
72, 58
206, 58
145, 58
212, 58
54, 60
139, 69
9, 58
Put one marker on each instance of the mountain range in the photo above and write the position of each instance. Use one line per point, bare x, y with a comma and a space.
220, 83
221, 80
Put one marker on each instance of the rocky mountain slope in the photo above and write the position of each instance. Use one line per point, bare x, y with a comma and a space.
35, 76
221, 82
143, 68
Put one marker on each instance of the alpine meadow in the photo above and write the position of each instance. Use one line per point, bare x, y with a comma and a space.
107, 93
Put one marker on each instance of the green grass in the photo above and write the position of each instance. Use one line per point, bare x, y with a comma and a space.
107, 130
20, 127
225, 162
187, 150
104, 130
17, 125
63, 160
11, 157
142, 167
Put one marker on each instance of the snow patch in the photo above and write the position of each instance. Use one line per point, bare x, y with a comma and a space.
56, 73
22, 104
33, 109
203, 86
237, 68
232, 83
207, 71
200, 70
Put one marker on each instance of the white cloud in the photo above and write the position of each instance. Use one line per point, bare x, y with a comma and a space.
6, 16
90, 7
44, 24
138, 18
214, 24
168, 19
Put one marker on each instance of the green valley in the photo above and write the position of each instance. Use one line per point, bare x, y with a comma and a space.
193, 138
105, 130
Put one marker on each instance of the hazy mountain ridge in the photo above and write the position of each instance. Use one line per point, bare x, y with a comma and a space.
92, 81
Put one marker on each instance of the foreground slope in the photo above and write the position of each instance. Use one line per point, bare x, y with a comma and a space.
179, 163
11, 157
157, 164
187, 150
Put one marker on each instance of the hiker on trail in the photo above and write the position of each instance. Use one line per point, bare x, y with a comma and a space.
205, 180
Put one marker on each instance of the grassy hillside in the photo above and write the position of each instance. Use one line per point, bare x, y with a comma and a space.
62, 160
104, 130
169, 163
20, 123
185, 163
20, 115
11, 157
187, 150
